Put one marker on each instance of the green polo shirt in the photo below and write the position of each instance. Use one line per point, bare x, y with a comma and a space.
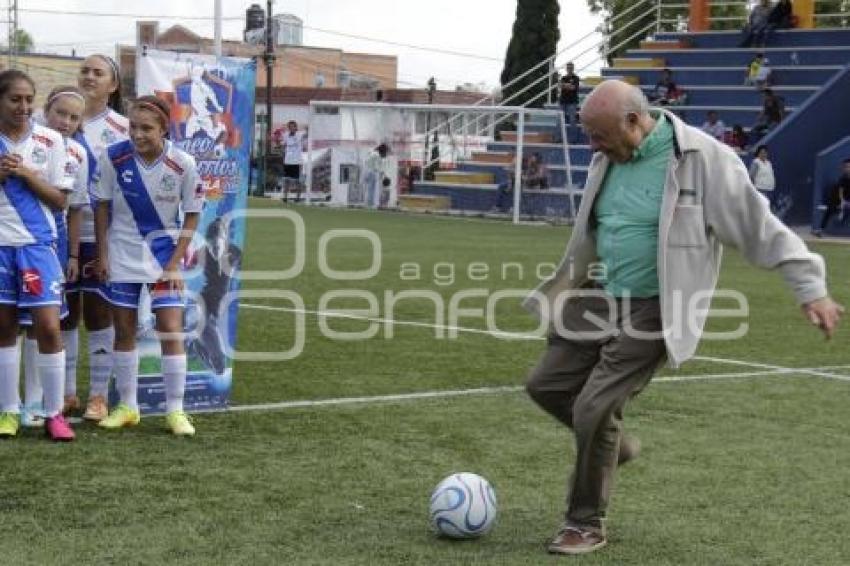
627, 211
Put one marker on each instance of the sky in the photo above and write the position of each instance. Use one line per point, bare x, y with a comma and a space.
470, 27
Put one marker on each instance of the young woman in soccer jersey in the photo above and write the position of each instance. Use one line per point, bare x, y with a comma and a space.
63, 113
100, 82
148, 182
32, 169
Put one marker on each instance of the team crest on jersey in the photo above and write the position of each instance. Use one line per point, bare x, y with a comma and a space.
71, 168
108, 137
31, 281
127, 176
168, 183
39, 156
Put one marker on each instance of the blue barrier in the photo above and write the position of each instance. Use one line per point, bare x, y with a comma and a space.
828, 168
795, 143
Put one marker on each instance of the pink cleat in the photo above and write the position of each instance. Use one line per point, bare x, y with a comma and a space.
58, 429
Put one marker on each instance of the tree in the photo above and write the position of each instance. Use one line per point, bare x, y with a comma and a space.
626, 32
534, 39
23, 42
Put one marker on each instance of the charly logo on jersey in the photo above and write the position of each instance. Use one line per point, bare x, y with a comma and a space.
39, 156
56, 287
168, 184
108, 137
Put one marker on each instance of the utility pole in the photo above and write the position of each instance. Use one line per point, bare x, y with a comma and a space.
13, 33
217, 13
432, 88
268, 58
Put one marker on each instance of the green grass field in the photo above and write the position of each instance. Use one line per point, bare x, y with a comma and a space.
735, 470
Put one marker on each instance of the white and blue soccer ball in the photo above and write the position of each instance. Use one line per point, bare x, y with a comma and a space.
463, 506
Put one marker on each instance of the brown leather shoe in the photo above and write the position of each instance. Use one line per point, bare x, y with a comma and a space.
576, 540
629, 449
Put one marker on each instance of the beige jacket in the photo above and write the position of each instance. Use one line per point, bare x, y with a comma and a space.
708, 201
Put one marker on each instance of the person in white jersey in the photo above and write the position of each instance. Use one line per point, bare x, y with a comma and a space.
204, 104
103, 125
32, 170
148, 181
63, 113
293, 143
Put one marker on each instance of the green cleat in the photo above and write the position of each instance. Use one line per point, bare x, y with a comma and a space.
120, 417
9, 424
179, 423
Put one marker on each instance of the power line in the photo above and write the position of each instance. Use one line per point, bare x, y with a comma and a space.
240, 18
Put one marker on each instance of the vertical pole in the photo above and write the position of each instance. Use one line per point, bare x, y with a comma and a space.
700, 14
520, 134
464, 126
657, 17
218, 28
309, 179
549, 80
805, 12
268, 57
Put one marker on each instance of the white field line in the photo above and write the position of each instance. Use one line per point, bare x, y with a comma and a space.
818, 372
520, 336
341, 401
335, 314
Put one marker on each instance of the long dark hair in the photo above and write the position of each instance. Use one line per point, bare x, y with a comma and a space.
11, 76
160, 107
115, 100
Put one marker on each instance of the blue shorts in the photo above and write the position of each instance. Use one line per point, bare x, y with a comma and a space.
88, 283
30, 276
128, 295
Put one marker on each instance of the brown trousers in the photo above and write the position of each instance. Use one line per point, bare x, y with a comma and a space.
585, 380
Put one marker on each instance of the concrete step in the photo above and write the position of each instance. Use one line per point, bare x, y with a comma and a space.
641, 63
424, 203
528, 137
492, 157
657, 44
464, 178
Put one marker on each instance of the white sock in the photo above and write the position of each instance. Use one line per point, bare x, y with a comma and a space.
33, 392
174, 375
51, 371
127, 377
10, 398
71, 338
100, 360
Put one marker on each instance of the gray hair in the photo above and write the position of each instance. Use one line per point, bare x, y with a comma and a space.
635, 101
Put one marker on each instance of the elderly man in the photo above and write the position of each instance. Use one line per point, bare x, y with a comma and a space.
660, 197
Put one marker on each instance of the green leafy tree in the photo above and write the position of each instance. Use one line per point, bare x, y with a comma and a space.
534, 39
833, 7
627, 24
23, 42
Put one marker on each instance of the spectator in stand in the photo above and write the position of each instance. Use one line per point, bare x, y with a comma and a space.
759, 72
757, 28
568, 98
714, 126
738, 138
838, 199
781, 16
665, 91
534, 173
753, 69
761, 174
772, 112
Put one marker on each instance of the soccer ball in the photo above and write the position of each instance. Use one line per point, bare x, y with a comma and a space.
463, 506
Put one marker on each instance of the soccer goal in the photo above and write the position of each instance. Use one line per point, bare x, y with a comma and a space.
441, 158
